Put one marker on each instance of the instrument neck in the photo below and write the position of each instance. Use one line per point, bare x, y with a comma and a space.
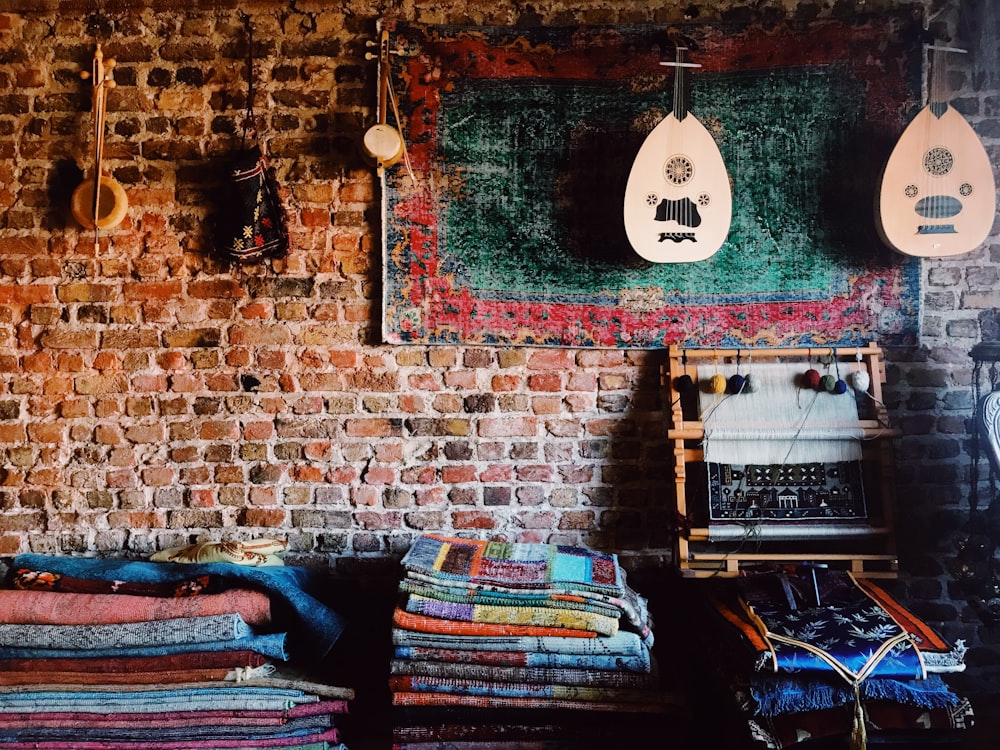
680, 85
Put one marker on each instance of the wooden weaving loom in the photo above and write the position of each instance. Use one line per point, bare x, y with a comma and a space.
772, 467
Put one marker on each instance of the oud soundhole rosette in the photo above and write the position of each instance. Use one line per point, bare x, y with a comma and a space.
965, 190
938, 161
678, 170
652, 199
910, 191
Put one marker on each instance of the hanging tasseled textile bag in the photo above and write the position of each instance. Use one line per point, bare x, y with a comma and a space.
251, 224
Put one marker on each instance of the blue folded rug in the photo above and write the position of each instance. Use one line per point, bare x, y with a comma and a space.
315, 627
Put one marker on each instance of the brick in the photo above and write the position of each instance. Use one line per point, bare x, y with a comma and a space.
377, 427
550, 359
496, 495
508, 427
86, 292
198, 337
578, 520
511, 358
379, 475
37, 362
546, 405
145, 291
263, 517
538, 473
378, 521
472, 519
12, 246
501, 473
458, 474
130, 339
607, 358
46, 432
536, 519
69, 339
423, 382
158, 476
505, 382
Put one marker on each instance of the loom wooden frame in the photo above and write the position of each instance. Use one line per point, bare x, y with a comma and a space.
694, 554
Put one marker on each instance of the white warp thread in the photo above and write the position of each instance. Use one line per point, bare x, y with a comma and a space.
778, 422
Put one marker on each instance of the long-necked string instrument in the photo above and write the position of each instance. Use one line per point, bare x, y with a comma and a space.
937, 196
382, 142
100, 203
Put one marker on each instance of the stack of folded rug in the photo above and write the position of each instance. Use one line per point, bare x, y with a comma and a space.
814, 653
519, 643
115, 654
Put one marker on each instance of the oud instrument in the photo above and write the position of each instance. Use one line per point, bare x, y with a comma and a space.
100, 202
678, 200
937, 195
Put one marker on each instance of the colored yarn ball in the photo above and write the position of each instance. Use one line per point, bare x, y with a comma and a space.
735, 384
811, 378
684, 383
749, 384
717, 384
861, 380
828, 383
839, 387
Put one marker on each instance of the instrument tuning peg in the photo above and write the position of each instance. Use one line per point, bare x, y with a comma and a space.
404, 49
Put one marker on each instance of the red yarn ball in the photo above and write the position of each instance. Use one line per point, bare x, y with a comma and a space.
811, 378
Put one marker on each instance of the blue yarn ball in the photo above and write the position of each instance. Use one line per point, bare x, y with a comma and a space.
735, 384
684, 383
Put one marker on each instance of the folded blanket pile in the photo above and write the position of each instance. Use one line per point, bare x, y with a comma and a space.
535, 630
121, 655
813, 652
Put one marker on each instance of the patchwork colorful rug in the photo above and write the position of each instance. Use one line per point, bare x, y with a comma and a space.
514, 564
513, 615
510, 231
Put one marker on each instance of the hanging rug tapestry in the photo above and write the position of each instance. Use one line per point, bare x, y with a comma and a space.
504, 223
